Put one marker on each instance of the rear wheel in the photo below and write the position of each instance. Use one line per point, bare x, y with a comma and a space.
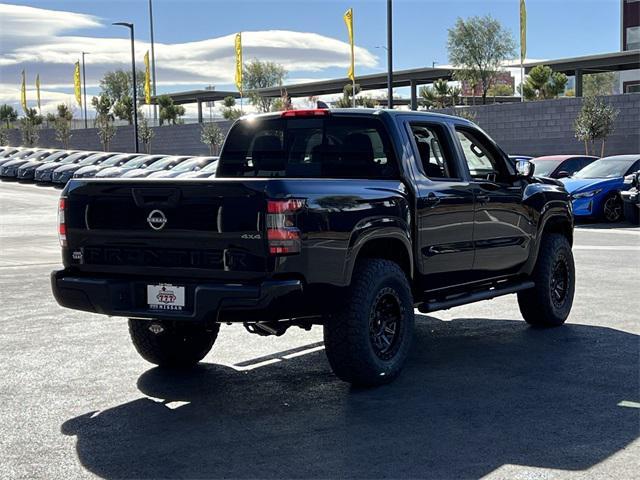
368, 340
172, 345
548, 304
612, 208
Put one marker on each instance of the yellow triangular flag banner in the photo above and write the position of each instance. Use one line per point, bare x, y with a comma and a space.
76, 84
348, 20
23, 93
238, 48
147, 79
523, 30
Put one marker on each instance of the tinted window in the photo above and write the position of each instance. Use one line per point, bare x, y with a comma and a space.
544, 168
433, 151
483, 159
333, 147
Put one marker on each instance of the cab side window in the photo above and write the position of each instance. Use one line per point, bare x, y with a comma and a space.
483, 160
434, 152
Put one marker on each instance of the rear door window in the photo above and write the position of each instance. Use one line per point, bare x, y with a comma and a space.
330, 147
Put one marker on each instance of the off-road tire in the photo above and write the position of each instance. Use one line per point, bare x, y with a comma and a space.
352, 337
169, 345
548, 304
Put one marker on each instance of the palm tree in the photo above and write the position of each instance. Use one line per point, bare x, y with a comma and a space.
8, 114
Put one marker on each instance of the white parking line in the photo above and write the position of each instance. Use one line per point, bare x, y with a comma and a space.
622, 231
627, 403
619, 248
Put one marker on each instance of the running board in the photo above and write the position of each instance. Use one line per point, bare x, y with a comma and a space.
463, 299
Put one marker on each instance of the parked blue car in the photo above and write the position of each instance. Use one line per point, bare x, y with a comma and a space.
595, 190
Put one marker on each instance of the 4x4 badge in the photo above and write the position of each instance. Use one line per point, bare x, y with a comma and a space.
157, 219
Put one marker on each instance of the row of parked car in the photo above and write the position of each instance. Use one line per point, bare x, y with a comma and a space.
60, 166
602, 188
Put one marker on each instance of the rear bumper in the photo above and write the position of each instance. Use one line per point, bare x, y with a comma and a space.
125, 297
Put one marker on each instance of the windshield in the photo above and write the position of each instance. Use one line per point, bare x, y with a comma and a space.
74, 157
58, 155
115, 160
605, 168
545, 167
188, 165
91, 159
211, 167
327, 147
138, 162
164, 164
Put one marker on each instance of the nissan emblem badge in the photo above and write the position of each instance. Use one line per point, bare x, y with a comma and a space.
157, 220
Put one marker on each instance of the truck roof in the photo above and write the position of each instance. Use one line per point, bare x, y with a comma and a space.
363, 112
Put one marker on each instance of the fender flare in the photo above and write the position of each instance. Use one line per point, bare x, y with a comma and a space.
552, 215
377, 229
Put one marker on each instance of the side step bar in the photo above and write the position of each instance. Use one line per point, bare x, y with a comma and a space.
463, 299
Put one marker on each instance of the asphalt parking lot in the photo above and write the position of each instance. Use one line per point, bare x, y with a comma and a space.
482, 394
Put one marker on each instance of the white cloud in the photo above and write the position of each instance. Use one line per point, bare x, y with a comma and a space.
33, 39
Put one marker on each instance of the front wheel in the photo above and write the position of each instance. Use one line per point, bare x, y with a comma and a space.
169, 344
612, 208
368, 340
548, 303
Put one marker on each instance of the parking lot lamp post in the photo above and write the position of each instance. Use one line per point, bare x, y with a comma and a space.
389, 54
133, 72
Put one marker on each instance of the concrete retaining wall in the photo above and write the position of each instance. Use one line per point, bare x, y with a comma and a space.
530, 128
174, 139
546, 127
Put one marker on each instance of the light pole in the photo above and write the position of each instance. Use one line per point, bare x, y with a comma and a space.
389, 54
153, 62
84, 88
433, 64
135, 85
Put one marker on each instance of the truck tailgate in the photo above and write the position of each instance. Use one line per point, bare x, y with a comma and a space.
196, 228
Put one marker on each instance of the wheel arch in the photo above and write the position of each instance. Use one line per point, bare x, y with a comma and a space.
560, 223
394, 246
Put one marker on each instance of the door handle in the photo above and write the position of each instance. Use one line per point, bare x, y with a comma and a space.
482, 198
432, 200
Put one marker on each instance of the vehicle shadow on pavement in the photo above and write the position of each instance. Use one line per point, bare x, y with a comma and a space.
476, 394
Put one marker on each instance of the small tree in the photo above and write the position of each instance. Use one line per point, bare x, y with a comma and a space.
258, 75
104, 120
8, 114
478, 46
229, 112
119, 84
212, 136
169, 112
595, 121
543, 83
123, 109
347, 94
440, 95
62, 124
145, 134
30, 126
4, 135
500, 91
598, 84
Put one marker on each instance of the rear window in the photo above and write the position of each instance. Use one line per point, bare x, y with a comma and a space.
329, 147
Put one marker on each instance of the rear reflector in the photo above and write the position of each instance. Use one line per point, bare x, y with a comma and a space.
62, 225
282, 233
318, 112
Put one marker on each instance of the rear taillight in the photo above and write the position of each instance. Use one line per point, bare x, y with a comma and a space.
283, 234
62, 226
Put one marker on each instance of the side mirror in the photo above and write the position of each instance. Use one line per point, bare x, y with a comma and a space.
563, 174
525, 168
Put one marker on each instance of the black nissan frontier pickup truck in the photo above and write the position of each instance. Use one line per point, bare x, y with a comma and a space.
350, 219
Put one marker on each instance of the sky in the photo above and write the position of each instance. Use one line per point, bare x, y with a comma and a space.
194, 39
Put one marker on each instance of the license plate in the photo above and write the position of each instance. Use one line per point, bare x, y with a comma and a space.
165, 297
